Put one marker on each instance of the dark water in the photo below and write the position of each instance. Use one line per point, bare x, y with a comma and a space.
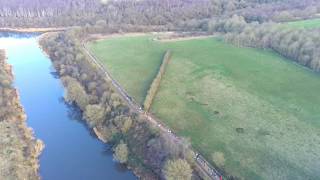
71, 151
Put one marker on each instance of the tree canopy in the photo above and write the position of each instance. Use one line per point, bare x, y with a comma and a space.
177, 170
121, 153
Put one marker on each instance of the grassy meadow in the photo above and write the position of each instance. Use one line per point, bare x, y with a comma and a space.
307, 24
132, 61
251, 112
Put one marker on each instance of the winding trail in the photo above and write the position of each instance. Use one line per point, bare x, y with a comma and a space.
201, 163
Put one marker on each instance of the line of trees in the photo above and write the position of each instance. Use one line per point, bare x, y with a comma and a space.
155, 85
299, 45
136, 142
19, 150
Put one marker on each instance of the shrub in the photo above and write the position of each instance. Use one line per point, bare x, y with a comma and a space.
177, 170
121, 153
126, 125
94, 114
75, 93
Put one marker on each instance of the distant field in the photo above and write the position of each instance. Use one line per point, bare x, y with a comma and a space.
308, 24
256, 109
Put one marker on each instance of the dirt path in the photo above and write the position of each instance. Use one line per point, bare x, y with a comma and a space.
174, 39
100, 37
160, 36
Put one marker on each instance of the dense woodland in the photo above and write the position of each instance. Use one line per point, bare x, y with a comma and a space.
136, 142
278, 10
143, 14
49, 13
19, 149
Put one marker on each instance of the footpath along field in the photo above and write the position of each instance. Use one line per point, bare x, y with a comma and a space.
250, 112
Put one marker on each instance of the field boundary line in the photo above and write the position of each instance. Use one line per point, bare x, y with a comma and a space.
155, 85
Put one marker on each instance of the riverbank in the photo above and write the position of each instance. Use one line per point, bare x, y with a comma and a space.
105, 133
19, 150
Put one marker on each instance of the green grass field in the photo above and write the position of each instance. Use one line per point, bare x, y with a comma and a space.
132, 61
307, 24
256, 109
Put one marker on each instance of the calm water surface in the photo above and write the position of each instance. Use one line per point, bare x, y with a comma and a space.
71, 151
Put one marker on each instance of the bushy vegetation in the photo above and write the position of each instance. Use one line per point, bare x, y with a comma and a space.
178, 170
75, 93
18, 148
249, 111
152, 92
105, 111
95, 114
121, 153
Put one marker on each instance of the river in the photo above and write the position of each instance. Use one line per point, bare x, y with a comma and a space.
72, 151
